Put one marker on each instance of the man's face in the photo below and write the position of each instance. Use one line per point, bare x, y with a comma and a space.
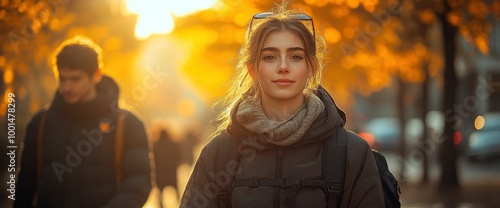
76, 86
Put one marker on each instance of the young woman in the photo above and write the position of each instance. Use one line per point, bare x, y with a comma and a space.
276, 121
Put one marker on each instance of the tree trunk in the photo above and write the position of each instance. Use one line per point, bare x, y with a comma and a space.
424, 140
448, 151
402, 121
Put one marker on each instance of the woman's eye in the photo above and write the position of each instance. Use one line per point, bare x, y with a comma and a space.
268, 57
297, 57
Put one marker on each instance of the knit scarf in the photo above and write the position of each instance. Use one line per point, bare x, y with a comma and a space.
282, 133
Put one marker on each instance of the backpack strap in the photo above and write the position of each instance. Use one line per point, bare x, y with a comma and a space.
334, 161
290, 185
280, 182
227, 150
39, 143
39, 151
119, 148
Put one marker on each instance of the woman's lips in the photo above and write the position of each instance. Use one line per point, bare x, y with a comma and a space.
283, 82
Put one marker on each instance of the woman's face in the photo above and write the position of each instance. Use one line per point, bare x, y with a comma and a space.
282, 69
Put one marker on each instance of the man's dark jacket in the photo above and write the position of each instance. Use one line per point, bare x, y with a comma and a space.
78, 157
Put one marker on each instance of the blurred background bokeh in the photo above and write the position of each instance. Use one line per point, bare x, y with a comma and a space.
419, 79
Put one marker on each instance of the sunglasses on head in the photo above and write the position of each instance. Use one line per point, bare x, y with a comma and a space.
296, 16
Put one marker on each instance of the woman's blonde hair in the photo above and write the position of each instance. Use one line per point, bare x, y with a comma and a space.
241, 86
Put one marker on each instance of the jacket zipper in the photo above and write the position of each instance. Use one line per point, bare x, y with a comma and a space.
278, 174
279, 163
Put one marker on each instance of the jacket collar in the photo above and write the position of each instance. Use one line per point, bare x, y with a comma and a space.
106, 101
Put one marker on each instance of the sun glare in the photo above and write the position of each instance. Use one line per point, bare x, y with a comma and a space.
156, 16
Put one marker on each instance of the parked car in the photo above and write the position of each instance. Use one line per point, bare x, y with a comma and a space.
484, 143
382, 133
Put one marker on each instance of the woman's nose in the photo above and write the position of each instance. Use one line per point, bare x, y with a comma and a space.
283, 67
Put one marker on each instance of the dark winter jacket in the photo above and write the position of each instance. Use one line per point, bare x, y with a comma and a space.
302, 160
78, 156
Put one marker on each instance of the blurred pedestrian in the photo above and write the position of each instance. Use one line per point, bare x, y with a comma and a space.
84, 151
168, 157
276, 120
188, 143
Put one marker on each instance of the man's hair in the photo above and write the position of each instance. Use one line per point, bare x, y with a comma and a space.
80, 53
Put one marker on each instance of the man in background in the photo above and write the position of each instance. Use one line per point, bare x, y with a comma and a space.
84, 151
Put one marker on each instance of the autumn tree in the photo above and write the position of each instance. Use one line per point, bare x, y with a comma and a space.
32, 30
473, 20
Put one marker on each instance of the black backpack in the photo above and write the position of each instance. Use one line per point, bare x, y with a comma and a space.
333, 171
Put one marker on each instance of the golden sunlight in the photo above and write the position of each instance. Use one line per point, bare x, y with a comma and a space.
156, 16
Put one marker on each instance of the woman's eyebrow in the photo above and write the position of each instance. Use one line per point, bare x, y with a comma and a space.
296, 49
273, 49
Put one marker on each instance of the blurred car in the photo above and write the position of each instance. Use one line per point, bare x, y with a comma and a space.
382, 133
484, 143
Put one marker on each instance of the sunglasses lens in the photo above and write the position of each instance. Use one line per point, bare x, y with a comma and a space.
262, 15
298, 16
302, 17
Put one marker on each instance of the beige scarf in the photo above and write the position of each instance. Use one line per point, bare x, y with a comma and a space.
283, 133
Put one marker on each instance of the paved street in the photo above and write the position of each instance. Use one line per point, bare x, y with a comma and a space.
480, 185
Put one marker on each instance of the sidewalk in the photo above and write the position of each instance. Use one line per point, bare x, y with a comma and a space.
470, 195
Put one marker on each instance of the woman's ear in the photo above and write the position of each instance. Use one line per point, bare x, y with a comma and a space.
251, 70
310, 74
